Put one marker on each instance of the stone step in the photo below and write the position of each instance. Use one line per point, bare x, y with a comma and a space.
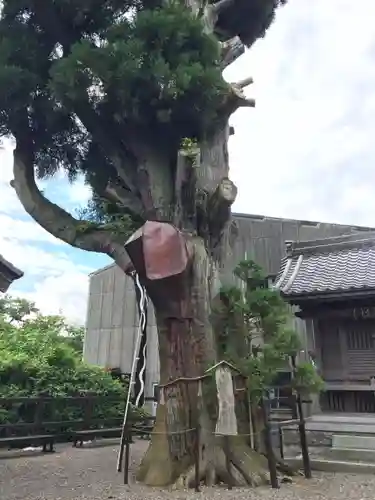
326, 465
350, 455
353, 442
345, 418
341, 427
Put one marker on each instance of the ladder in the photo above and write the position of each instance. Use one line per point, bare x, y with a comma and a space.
142, 308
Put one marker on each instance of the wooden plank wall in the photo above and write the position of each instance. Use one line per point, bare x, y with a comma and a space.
112, 318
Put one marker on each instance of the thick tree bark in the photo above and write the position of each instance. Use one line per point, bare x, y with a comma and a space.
187, 349
58, 222
188, 346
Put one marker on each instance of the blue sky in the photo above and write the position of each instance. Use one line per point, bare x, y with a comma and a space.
56, 275
306, 151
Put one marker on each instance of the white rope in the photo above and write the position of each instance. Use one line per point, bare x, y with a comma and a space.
142, 324
135, 359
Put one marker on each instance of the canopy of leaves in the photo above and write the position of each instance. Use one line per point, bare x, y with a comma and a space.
80, 79
42, 354
67, 70
256, 334
100, 211
248, 20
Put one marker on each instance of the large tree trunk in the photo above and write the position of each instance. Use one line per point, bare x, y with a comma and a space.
187, 346
187, 343
187, 350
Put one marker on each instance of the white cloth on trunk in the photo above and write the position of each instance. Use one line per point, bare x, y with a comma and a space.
226, 424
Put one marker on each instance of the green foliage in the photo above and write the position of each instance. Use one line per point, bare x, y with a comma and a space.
100, 211
42, 354
14, 310
147, 69
80, 80
255, 333
168, 69
249, 20
191, 150
305, 377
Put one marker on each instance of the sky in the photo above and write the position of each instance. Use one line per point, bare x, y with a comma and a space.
305, 152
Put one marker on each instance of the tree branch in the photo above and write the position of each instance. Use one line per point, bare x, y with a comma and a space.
221, 5
126, 199
236, 97
185, 214
113, 147
231, 50
105, 133
219, 207
80, 234
244, 83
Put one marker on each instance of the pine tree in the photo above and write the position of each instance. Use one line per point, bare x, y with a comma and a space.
256, 333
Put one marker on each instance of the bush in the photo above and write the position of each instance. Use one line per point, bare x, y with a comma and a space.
38, 357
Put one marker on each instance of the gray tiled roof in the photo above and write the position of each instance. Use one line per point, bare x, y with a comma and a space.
8, 273
340, 264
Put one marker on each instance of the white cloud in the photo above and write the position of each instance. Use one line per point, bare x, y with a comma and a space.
37, 261
64, 294
79, 193
308, 143
9, 202
13, 229
56, 282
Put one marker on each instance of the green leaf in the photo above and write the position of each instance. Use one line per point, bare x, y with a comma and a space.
255, 314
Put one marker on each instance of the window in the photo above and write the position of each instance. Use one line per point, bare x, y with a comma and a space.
359, 340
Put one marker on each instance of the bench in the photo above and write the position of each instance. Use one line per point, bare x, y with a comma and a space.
138, 427
44, 429
46, 440
108, 432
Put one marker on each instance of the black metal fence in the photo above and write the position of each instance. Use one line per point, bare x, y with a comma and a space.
44, 420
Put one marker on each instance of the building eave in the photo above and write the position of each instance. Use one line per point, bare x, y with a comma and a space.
13, 270
8, 274
328, 296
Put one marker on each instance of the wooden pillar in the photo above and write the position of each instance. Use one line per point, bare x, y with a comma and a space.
314, 345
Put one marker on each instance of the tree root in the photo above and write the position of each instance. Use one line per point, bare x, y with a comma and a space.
242, 466
286, 469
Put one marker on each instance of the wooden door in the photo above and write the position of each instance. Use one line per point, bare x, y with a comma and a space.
359, 348
332, 365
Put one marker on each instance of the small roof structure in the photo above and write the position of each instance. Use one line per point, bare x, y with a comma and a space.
223, 364
330, 267
8, 274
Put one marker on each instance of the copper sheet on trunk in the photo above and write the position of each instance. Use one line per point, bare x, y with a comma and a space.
164, 249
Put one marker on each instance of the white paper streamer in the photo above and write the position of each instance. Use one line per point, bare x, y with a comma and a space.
226, 424
162, 396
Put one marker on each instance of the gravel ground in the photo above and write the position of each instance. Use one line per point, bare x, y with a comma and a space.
90, 473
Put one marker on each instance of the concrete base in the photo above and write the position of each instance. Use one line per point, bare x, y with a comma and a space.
339, 423
325, 465
351, 455
334, 440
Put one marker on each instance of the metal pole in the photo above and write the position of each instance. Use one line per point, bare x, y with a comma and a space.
302, 430
251, 429
281, 442
127, 456
197, 458
268, 445
227, 461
